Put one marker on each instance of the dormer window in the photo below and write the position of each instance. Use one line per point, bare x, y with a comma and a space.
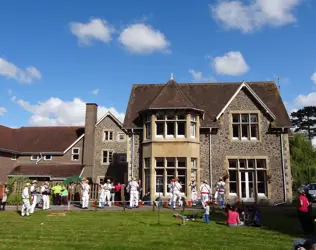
171, 125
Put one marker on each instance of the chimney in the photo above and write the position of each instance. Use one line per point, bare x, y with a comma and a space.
89, 140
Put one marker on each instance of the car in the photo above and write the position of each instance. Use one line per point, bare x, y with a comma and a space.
312, 191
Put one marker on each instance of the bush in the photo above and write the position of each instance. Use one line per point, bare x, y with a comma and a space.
14, 199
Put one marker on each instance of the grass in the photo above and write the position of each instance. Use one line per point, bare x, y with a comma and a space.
139, 230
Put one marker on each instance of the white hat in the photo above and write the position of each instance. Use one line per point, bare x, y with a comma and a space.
205, 181
108, 180
35, 181
27, 184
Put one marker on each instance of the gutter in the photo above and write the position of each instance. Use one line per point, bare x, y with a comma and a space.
210, 158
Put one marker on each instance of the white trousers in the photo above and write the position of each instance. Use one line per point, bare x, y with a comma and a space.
108, 197
46, 202
193, 196
34, 201
85, 201
113, 197
176, 195
26, 206
204, 198
132, 199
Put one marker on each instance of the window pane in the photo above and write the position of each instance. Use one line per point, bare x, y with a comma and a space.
261, 163
181, 172
159, 162
170, 176
235, 118
261, 176
236, 130
159, 181
181, 128
242, 176
160, 127
181, 162
242, 163
171, 163
251, 163
261, 188
111, 136
193, 163
254, 118
245, 118
233, 187
148, 132
147, 180
244, 130
192, 118
147, 162
181, 117
170, 128
192, 129
232, 163
160, 116
75, 157
110, 156
171, 117
232, 175
254, 131
75, 150
193, 174
105, 156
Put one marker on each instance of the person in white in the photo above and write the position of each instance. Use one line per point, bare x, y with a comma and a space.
205, 192
34, 194
176, 192
26, 200
133, 189
107, 190
193, 192
85, 193
220, 187
170, 193
45, 190
101, 196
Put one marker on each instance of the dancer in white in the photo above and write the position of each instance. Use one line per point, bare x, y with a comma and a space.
133, 188
85, 193
45, 190
205, 192
26, 200
176, 194
193, 192
34, 194
101, 196
107, 190
220, 187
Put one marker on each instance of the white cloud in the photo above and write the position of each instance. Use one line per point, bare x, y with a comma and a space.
305, 100
198, 76
232, 63
313, 78
255, 14
95, 29
143, 39
2, 111
95, 91
26, 75
56, 112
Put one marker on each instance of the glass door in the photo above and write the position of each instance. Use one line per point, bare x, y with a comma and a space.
246, 185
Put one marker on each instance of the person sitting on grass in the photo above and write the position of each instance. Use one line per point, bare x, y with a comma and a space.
206, 215
301, 244
233, 217
146, 198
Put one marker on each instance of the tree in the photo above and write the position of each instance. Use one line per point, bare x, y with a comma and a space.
303, 160
305, 120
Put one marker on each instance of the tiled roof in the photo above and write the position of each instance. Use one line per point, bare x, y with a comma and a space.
210, 97
39, 139
47, 170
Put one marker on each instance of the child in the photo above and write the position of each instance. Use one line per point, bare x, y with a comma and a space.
207, 212
233, 218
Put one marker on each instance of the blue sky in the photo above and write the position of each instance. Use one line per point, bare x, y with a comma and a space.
57, 55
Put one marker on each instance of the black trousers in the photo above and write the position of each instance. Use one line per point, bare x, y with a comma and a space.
56, 199
306, 222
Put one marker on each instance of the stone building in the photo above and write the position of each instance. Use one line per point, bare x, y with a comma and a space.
207, 131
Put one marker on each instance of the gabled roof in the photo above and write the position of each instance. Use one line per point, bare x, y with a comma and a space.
171, 96
113, 118
210, 97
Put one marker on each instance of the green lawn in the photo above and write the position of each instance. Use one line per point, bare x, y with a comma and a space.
139, 230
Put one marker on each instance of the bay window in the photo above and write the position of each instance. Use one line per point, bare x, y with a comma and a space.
170, 125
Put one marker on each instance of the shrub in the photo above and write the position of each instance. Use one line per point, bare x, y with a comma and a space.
14, 199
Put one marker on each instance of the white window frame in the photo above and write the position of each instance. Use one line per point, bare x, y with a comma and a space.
99, 178
192, 124
122, 159
249, 124
72, 154
35, 159
118, 136
175, 121
109, 131
107, 158
14, 157
148, 124
48, 159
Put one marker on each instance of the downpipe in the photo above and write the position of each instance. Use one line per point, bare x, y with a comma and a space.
210, 157
132, 160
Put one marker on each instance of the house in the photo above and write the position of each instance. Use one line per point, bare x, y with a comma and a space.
55, 153
207, 131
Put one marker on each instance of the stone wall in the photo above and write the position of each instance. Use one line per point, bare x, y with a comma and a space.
116, 169
137, 158
222, 146
204, 156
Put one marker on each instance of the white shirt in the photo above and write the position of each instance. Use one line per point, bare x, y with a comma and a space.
44, 188
176, 187
33, 188
25, 193
205, 188
107, 186
207, 209
133, 185
85, 189
193, 187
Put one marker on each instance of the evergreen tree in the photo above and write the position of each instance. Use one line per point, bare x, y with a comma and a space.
305, 120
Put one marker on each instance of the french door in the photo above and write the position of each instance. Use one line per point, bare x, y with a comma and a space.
246, 185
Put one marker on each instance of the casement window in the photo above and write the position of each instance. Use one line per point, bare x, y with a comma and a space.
245, 126
242, 174
35, 157
75, 154
192, 126
48, 157
107, 156
193, 168
121, 137
13, 157
108, 135
148, 127
172, 125
147, 174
